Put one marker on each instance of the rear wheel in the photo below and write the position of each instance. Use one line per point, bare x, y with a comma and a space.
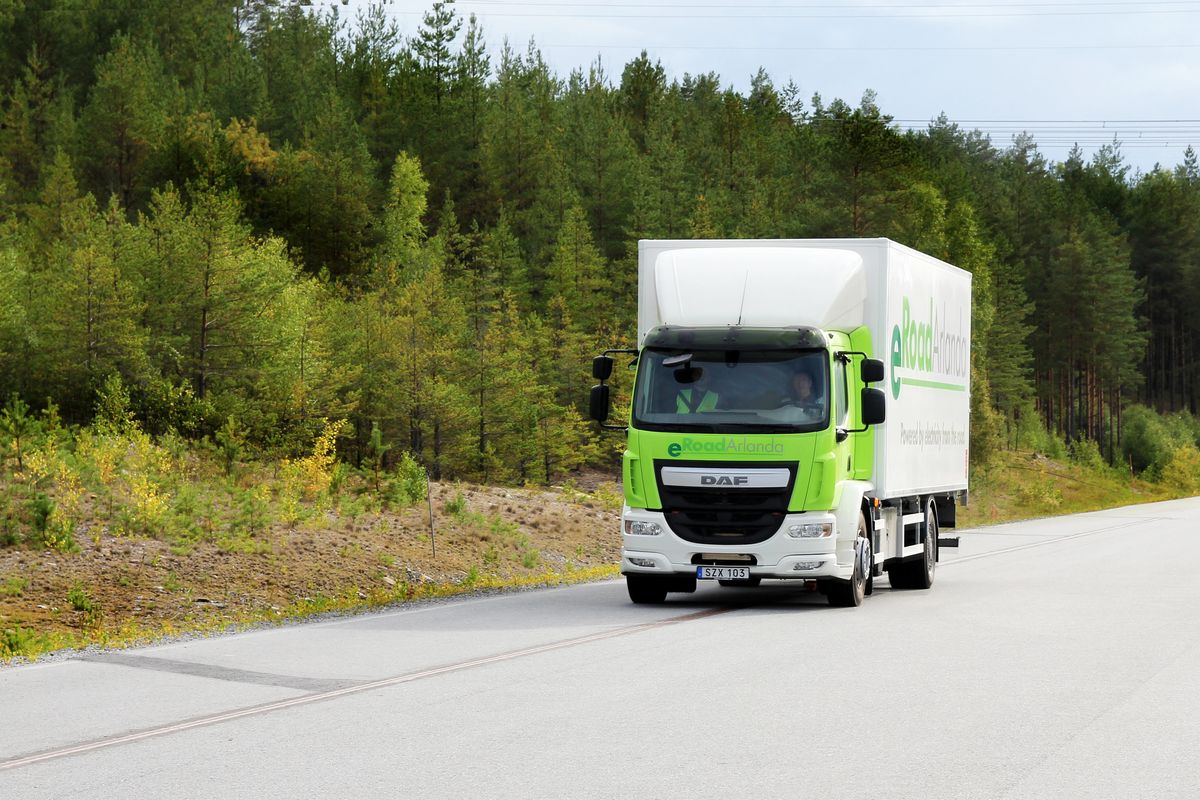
646, 589
917, 573
850, 593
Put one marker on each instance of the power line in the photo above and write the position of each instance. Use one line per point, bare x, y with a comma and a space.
945, 11
872, 48
807, 6
598, 15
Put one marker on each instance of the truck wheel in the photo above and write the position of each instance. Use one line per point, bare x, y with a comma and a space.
748, 583
850, 594
646, 589
918, 573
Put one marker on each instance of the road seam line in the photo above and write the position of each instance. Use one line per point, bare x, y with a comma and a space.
1030, 545
308, 699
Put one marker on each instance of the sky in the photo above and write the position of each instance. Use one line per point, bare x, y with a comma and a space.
1069, 72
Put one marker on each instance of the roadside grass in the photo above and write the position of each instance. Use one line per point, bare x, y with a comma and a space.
24, 644
1021, 485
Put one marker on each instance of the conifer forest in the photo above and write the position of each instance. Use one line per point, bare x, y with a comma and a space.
243, 221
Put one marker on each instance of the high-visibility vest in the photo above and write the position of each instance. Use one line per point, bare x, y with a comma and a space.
683, 402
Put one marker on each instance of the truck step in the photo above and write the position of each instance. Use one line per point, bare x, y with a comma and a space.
947, 541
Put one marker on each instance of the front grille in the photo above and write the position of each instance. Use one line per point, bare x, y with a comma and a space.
724, 515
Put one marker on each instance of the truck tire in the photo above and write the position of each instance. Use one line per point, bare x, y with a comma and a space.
646, 589
748, 583
918, 572
850, 594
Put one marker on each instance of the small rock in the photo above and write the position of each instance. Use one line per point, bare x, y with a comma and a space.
106, 552
362, 595
389, 580
43, 607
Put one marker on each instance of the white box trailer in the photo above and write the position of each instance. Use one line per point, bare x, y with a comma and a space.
749, 313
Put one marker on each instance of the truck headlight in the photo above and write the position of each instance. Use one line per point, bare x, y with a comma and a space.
811, 530
639, 527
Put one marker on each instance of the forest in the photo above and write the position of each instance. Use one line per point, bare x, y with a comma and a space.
243, 222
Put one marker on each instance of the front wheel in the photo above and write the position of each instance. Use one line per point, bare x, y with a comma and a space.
646, 589
850, 594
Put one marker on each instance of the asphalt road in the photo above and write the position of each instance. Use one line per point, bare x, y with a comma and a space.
1052, 659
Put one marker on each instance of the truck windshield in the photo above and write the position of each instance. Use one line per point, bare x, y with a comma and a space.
732, 391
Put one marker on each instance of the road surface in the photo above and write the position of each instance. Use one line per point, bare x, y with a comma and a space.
1052, 659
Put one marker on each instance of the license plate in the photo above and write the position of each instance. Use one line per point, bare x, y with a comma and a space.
723, 573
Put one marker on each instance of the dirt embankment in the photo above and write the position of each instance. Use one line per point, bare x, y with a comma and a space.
124, 588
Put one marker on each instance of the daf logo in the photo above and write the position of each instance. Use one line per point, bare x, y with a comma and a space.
724, 480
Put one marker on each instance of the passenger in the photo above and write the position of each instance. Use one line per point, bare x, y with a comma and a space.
698, 396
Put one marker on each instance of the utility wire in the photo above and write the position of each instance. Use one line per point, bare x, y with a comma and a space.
943, 11
873, 48
815, 6
938, 16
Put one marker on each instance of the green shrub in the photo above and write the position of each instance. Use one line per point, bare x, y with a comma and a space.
164, 407
13, 587
409, 484
1148, 440
456, 505
20, 641
1183, 427
1040, 493
1086, 453
1182, 471
41, 508
17, 427
79, 599
231, 442
253, 510
1031, 434
113, 414
337, 478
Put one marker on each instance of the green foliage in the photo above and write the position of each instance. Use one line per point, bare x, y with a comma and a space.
408, 483
13, 587
80, 600
376, 450
113, 415
1147, 441
456, 505
231, 442
17, 427
227, 206
18, 641
1182, 472
48, 529
1086, 453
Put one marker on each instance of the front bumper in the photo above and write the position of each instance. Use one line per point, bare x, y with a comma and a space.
781, 556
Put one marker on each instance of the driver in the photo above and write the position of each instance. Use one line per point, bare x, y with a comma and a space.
802, 389
803, 394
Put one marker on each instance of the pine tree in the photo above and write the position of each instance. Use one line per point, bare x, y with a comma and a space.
125, 119
576, 273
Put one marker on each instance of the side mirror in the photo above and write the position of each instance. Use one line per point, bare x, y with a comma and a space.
598, 402
602, 367
871, 370
874, 406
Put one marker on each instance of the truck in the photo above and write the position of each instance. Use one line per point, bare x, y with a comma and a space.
800, 411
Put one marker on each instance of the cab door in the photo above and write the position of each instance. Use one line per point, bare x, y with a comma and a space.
840, 397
